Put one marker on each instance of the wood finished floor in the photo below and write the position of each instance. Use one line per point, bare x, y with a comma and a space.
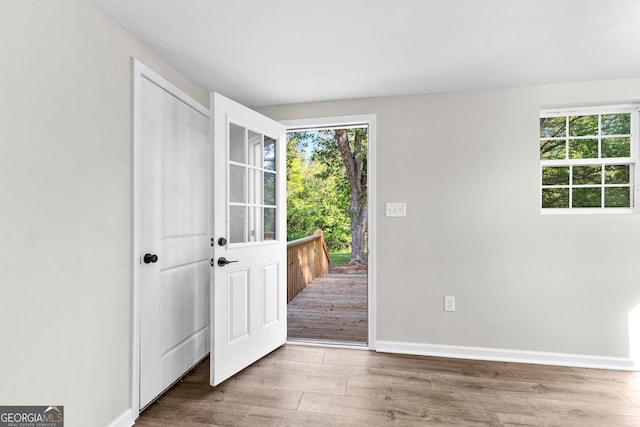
315, 386
331, 308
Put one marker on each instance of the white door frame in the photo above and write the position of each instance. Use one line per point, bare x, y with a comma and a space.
370, 121
141, 71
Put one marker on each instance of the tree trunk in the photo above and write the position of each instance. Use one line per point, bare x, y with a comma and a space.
358, 233
355, 162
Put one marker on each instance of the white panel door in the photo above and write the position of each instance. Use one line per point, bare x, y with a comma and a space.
175, 218
249, 304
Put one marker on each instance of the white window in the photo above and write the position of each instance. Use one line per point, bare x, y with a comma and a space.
588, 159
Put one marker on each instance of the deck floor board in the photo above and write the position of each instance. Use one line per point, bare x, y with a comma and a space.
331, 308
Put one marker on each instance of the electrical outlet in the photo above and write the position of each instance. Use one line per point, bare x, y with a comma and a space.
449, 303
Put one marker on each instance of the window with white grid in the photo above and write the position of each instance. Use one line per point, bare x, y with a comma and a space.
588, 159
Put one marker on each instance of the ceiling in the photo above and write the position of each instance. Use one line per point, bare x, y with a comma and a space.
268, 52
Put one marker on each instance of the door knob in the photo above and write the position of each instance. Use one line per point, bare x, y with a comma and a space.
222, 241
148, 258
222, 261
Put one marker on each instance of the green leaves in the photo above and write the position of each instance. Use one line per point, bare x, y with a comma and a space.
317, 194
585, 161
585, 185
616, 124
583, 125
327, 186
553, 149
552, 127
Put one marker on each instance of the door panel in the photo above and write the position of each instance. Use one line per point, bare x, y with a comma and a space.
270, 303
175, 225
238, 319
179, 289
249, 301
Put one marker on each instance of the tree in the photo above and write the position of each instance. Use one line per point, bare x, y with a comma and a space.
354, 156
346, 149
316, 198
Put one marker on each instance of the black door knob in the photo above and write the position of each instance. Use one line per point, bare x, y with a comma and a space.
148, 258
222, 241
222, 261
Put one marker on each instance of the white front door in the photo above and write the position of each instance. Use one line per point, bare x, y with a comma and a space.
249, 290
175, 218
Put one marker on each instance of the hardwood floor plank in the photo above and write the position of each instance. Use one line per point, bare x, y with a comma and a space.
400, 411
576, 419
575, 392
316, 386
169, 411
330, 371
270, 417
272, 378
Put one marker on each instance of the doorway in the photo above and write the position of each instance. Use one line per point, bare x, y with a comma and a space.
141, 72
336, 304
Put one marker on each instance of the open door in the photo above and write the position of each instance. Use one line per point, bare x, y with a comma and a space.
248, 307
175, 228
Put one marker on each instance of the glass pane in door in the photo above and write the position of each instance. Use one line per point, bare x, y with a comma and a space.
255, 148
237, 225
252, 185
269, 223
269, 188
237, 184
269, 154
255, 224
255, 186
236, 143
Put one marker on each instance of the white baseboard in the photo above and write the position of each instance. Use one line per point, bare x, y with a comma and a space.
124, 420
325, 344
502, 355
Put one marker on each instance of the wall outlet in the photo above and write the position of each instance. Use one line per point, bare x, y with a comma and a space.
449, 303
397, 209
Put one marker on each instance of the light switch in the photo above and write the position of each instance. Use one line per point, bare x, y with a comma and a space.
396, 209
449, 303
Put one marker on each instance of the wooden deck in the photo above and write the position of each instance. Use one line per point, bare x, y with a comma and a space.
332, 308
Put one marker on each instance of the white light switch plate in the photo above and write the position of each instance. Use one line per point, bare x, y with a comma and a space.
396, 209
449, 303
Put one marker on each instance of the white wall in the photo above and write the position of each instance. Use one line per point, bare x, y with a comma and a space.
467, 165
65, 227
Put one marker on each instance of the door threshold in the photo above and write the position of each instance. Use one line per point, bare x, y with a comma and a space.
327, 344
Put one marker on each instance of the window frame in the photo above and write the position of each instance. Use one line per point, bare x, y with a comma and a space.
632, 160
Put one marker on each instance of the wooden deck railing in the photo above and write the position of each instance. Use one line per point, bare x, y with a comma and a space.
307, 258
